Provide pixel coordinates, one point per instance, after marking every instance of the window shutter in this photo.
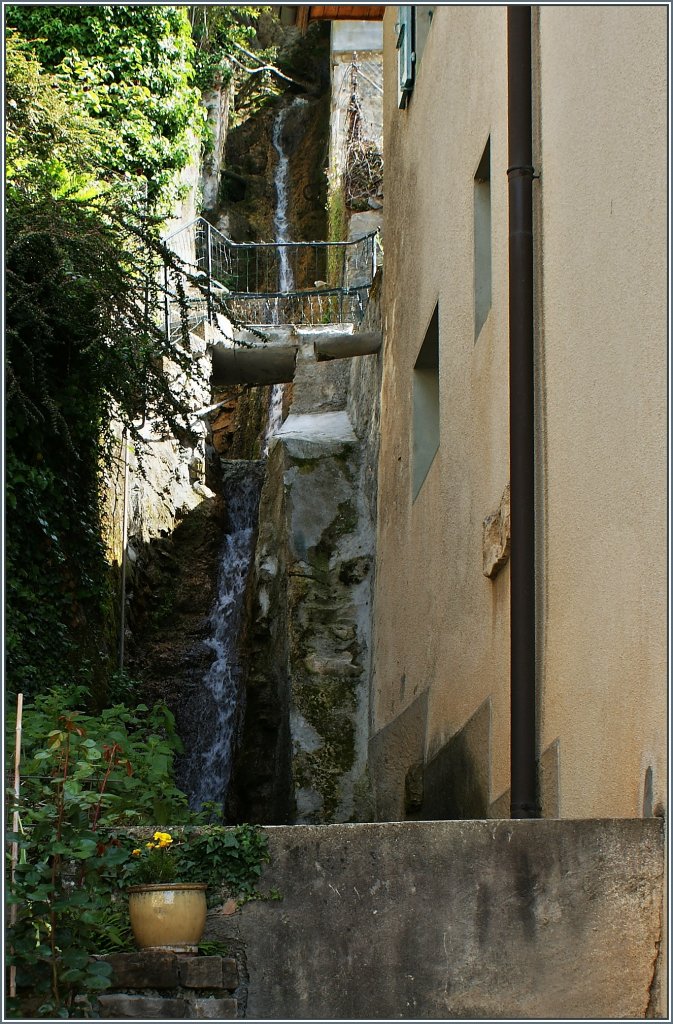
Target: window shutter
(405, 53)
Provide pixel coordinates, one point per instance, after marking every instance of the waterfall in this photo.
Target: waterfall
(210, 769)
(281, 224)
(281, 232)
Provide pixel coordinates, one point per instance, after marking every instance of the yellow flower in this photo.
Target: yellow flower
(163, 839)
(150, 846)
(136, 853)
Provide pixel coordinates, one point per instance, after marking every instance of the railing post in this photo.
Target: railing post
(209, 272)
(374, 247)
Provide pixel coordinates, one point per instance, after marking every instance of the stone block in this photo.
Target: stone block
(125, 1007)
(497, 537)
(393, 751)
(144, 970)
(457, 920)
(203, 972)
(213, 1009)
(230, 977)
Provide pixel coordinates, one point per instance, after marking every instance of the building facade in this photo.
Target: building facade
(440, 711)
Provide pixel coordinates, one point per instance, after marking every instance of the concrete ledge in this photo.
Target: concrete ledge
(455, 919)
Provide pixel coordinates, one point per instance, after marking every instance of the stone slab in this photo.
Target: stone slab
(230, 978)
(326, 427)
(208, 972)
(144, 970)
(125, 1007)
(455, 919)
(456, 777)
(393, 753)
(213, 1009)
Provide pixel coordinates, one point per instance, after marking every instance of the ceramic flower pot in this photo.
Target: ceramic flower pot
(168, 916)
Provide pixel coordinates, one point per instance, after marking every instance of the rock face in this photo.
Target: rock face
(247, 196)
(175, 588)
(217, 102)
(303, 755)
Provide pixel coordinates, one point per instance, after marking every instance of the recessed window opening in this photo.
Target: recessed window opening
(426, 405)
(482, 240)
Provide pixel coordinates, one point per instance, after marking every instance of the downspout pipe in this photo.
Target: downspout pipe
(520, 173)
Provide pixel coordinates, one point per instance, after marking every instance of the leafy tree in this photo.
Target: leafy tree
(128, 67)
(83, 344)
(217, 31)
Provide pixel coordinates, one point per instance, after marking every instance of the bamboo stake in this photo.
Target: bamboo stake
(125, 537)
(15, 826)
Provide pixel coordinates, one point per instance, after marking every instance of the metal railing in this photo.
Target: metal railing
(331, 279)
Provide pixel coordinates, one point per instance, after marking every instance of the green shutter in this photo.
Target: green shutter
(405, 53)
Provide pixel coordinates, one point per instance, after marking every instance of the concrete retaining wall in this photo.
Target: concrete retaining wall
(455, 919)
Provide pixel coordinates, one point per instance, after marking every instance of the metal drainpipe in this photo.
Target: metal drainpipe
(524, 795)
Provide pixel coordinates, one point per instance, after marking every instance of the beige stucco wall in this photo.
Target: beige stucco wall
(603, 409)
(440, 625)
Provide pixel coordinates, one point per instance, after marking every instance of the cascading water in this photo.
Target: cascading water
(281, 224)
(210, 769)
(207, 777)
(281, 231)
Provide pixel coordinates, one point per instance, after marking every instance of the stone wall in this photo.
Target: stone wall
(166, 986)
(467, 919)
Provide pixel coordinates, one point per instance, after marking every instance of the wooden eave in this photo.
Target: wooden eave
(338, 12)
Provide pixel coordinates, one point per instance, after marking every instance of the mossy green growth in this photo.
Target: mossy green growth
(344, 522)
(328, 708)
(337, 229)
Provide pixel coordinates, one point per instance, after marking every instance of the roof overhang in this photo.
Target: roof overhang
(302, 15)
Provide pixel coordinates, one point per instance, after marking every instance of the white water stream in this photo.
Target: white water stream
(211, 769)
(281, 232)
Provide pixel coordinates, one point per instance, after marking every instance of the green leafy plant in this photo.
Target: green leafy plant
(85, 343)
(84, 778)
(127, 70)
(222, 857)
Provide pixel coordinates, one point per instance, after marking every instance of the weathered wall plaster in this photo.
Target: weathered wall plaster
(466, 919)
(442, 627)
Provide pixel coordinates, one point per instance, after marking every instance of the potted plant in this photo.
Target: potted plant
(169, 876)
(166, 914)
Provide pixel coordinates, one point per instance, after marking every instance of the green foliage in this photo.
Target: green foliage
(215, 30)
(83, 778)
(45, 138)
(84, 344)
(100, 106)
(220, 856)
(128, 67)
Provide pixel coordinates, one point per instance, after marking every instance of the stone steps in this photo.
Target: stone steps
(170, 986)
